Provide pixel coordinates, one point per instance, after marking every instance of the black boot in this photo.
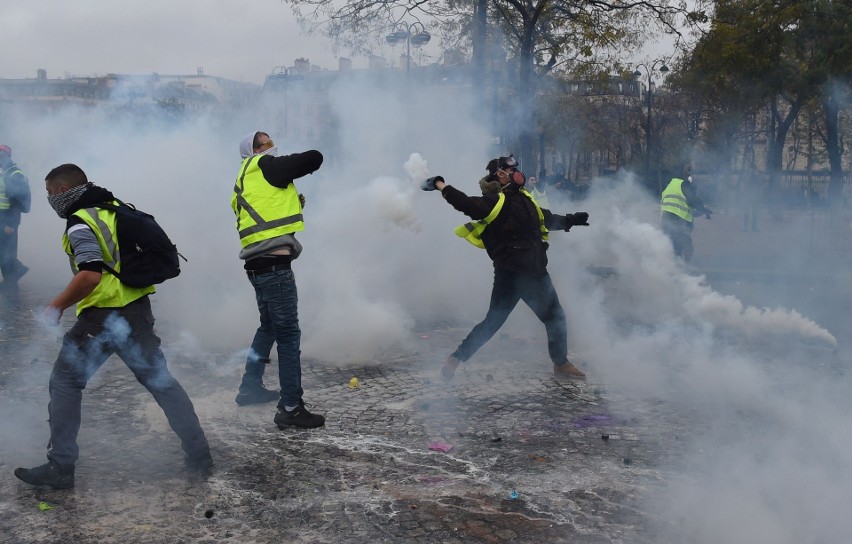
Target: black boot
(255, 393)
(50, 473)
(251, 389)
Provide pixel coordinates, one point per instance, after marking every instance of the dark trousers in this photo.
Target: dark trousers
(128, 332)
(538, 293)
(9, 264)
(277, 303)
(680, 233)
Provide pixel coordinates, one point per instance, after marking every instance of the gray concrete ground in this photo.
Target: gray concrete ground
(532, 458)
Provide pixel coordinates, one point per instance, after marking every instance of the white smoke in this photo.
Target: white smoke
(381, 260)
(416, 167)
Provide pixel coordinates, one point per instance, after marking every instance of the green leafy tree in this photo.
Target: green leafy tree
(783, 53)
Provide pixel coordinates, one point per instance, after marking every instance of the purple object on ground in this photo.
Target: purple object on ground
(590, 420)
(440, 446)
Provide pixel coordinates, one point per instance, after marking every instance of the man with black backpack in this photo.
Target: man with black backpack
(112, 317)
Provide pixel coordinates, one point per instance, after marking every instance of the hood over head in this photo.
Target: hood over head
(247, 144)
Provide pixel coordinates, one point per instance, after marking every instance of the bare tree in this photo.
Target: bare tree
(581, 37)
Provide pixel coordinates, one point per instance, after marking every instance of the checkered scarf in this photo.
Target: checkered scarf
(61, 202)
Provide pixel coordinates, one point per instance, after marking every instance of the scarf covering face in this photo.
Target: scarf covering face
(62, 201)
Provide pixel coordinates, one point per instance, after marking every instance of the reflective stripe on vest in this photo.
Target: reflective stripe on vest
(673, 201)
(110, 292)
(254, 199)
(5, 204)
(472, 231)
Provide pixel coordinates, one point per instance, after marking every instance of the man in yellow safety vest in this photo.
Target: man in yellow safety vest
(111, 318)
(513, 230)
(678, 206)
(268, 210)
(14, 200)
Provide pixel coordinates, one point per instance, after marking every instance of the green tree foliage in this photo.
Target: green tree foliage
(783, 53)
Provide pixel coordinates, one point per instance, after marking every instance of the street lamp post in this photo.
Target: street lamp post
(650, 71)
(413, 33)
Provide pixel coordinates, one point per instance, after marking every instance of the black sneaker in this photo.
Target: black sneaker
(50, 474)
(255, 394)
(298, 417)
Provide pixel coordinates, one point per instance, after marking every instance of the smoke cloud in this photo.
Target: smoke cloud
(766, 460)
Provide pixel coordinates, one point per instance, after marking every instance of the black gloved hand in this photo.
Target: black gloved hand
(708, 212)
(429, 183)
(579, 219)
(575, 219)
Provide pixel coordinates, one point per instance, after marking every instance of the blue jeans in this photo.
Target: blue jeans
(538, 293)
(277, 303)
(97, 334)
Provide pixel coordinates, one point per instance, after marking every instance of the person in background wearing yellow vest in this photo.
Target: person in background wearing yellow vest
(679, 204)
(538, 192)
(513, 230)
(269, 213)
(14, 200)
(111, 318)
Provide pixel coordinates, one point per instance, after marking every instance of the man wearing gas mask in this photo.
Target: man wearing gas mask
(513, 230)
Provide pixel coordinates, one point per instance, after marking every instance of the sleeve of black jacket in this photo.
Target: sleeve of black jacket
(475, 207)
(553, 221)
(282, 171)
(692, 198)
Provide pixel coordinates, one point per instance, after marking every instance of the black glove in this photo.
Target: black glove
(708, 212)
(429, 184)
(577, 219)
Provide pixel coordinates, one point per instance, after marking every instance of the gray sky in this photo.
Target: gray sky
(238, 39)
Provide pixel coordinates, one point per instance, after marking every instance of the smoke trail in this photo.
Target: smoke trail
(653, 286)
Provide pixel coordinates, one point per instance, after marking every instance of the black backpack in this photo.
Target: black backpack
(147, 254)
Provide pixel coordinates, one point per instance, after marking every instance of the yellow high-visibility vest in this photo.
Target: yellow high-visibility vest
(540, 198)
(472, 231)
(264, 211)
(5, 204)
(673, 200)
(110, 292)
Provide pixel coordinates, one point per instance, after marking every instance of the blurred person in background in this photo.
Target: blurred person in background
(538, 191)
(750, 190)
(679, 205)
(513, 230)
(14, 200)
(268, 209)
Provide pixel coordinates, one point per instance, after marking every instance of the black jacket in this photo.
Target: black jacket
(513, 240)
(281, 171)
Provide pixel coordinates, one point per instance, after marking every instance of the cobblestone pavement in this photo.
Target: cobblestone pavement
(532, 458)
(529, 461)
